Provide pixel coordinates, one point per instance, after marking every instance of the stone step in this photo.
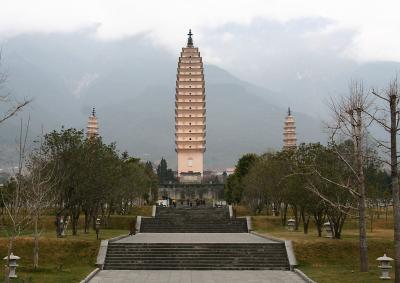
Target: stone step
(186, 221)
(207, 252)
(197, 255)
(191, 231)
(198, 246)
(207, 256)
(211, 257)
(193, 224)
(212, 265)
(200, 225)
(219, 262)
(194, 267)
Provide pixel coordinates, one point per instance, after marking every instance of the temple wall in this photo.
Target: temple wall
(202, 191)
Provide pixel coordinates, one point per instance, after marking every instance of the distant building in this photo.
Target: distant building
(230, 171)
(190, 114)
(92, 129)
(289, 134)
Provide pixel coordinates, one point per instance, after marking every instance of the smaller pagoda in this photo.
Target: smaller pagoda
(289, 134)
(92, 129)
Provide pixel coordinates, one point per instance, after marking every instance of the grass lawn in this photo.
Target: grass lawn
(67, 259)
(325, 260)
(62, 260)
(329, 260)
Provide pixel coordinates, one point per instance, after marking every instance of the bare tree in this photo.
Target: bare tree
(39, 192)
(388, 118)
(14, 202)
(333, 184)
(350, 122)
(14, 199)
(14, 105)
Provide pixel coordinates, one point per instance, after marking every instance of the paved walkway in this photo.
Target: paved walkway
(194, 238)
(187, 276)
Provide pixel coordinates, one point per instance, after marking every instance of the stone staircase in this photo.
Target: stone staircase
(196, 256)
(237, 254)
(193, 220)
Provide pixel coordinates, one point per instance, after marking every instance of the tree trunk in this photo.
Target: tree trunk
(337, 230)
(58, 225)
(319, 221)
(87, 221)
(74, 218)
(306, 221)
(94, 218)
(395, 182)
(337, 222)
(378, 209)
(108, 218)
(362, 223)
(36, 248)
(371, 219)
(363, 235)
(296, 217)
(386, 213)
(319, 227)
(284, 214)
(342, 220)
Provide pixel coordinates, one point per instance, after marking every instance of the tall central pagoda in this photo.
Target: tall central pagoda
(190, 114)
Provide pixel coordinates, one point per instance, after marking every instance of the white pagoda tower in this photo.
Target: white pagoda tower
(190, 114)
(289, 140)
(92, 129)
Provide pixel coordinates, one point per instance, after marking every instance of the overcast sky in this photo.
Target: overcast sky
(297, 48)
(375, 24)
(303, 49)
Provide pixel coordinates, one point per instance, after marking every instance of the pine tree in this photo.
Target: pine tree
(162, 169)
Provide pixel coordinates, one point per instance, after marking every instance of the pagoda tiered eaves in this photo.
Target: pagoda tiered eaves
(92, 129)
(290, 139)
(190, 111)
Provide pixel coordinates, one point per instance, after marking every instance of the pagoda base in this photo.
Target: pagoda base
(190, 178)
(191, 191)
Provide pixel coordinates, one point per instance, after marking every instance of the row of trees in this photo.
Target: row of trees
(72, 176)
(335, 181)
(304, 180)
(90, 177)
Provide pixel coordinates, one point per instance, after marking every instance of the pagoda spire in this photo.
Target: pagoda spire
(190, 39)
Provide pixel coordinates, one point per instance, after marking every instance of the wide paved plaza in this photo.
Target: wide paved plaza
(188, 276)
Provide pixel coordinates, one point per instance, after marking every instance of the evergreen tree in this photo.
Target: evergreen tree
(149, 166)
(162, 171)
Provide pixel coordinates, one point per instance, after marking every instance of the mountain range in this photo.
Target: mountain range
(131, 82)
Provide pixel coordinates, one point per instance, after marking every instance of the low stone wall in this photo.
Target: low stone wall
(90, 276)
(209, 192)
(303, 276)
